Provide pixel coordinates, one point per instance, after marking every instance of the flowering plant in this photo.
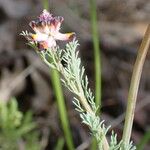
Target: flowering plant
(44, 40)
(46, 29)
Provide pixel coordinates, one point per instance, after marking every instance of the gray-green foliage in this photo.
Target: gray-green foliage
(68, 63)
(16, 129)
(130, 146)
(114, 145)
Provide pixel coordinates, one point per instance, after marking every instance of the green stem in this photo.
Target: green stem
(46, 4)
(85, 103)
(62, 108)
(89, 110)
(60, 100)
(95, 37)
(132, 96)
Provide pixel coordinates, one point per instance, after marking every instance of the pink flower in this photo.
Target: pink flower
(46, 29)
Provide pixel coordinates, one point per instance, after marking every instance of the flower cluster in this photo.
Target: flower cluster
(46, 28)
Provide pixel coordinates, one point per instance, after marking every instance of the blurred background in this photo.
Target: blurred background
(121, 26)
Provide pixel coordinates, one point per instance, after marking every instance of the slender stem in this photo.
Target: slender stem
(62, 108)
(46, 4)
(85, 103)
(97, 60)
(89, 110)
(60, 100)
(96, 52)
(132, 96)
